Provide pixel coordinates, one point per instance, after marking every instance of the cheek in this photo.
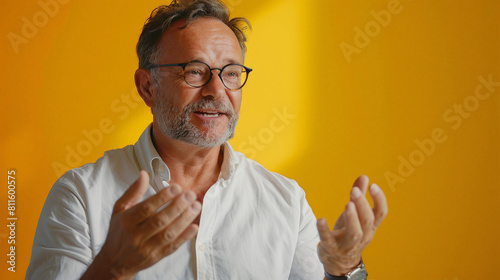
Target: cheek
(176, 95)
(236, 101)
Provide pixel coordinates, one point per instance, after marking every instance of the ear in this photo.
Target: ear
(144, 85)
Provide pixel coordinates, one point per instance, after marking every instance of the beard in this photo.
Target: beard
(175, 122)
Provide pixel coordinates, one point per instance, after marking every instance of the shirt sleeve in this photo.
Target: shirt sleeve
(306, 263)
(62, 246)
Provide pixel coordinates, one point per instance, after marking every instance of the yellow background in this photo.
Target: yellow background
(348, 118)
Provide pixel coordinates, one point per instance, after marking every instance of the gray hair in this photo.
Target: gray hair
(162, 17)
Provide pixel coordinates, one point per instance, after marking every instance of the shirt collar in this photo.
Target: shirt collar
(150, 161)
(148, 157)
(229, 163)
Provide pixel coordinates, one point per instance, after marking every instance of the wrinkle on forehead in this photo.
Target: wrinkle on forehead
(203, 39)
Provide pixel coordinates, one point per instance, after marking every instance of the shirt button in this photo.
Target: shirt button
(201, 248)
(165, 183)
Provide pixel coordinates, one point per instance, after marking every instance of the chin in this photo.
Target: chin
(213, 132)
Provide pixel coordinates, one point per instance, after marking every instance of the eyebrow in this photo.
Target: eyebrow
(228, 61)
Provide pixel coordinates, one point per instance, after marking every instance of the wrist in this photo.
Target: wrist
(101, 268)
(342, 268)
(358, 273)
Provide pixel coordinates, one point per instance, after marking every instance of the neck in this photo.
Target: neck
(192, 167)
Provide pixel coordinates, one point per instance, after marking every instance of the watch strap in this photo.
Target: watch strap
(333, 277)
(358, 273)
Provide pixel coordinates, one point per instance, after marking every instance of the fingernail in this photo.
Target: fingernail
(174, 190)
(189, 196)
(356, 193)
(374, 189)
(196, 207)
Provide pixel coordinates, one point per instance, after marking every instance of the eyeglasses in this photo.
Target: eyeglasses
(197, 74)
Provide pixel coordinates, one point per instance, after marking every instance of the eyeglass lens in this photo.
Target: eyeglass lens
(197, 74)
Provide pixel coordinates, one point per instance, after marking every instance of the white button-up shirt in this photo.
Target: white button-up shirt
(254, 224)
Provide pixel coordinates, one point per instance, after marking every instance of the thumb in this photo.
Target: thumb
(134, 193)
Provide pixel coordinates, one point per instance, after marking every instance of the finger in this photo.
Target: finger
(362, 183)
(340, 222)
(165, 217)
(133, 194)
(150, 206)
(323, 230)
(380, 208)
(364, 211)
(354, 232)
(188, 234)
(172, 232)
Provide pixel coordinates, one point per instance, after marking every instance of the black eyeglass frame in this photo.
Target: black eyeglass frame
(183, 65)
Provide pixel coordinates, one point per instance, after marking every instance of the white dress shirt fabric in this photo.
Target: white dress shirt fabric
(255, 224)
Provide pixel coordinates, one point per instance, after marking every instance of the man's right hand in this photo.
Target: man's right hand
(139, 235)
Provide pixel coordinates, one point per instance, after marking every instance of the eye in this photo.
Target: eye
(232, 72)
(196, 69)
(194, 72)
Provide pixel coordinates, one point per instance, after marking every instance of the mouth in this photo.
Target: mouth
(209, 113)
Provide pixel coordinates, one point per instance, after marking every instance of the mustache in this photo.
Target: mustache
(209, 104)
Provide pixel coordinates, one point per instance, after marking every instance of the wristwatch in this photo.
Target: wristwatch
(357, 274)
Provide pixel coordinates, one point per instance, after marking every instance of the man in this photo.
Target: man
(254, 224)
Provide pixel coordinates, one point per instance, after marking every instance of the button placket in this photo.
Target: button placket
(205, 233)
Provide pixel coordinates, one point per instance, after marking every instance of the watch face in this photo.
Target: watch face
(358, 275)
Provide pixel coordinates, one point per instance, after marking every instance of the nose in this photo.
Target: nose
(215, 87)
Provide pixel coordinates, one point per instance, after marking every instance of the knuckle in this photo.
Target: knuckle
(158, 222)
(154, 256)
(187, 216)
(356, 236)
(369, 221)
(179, 207)
(163, 195)
(329, 243)
(146, 257)
(169, 235)
(119, 207)
(147, 209)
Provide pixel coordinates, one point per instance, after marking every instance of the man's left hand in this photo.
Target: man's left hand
(340, 249)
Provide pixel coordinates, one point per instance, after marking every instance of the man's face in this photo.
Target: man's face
(205, 116)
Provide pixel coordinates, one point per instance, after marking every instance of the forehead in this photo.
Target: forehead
(206, 39)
